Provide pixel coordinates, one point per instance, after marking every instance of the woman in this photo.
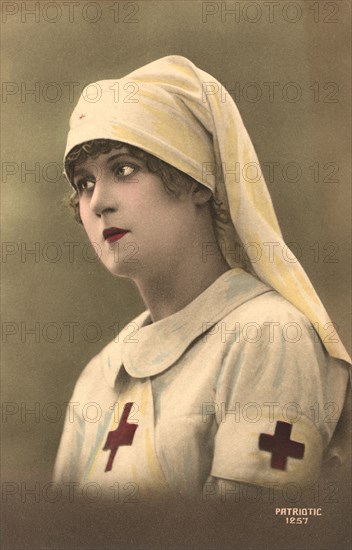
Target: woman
(217, 380)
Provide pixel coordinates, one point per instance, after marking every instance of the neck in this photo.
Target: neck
(176, 286)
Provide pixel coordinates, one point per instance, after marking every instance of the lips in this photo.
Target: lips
(114, 234)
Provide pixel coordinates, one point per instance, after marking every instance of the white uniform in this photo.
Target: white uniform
(205, 391)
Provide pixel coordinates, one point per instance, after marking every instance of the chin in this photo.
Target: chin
(122, 269)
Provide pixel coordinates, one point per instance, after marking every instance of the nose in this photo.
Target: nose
(103, 200)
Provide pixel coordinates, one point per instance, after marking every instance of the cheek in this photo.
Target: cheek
(83, 209)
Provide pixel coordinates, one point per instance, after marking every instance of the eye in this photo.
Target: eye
(85, 185)
(125, 170)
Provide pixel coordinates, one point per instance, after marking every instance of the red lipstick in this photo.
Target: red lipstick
(114, 234)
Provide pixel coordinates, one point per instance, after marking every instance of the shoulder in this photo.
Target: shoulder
(270, 343)
(268, 334)
(270, 318)
(270, 307)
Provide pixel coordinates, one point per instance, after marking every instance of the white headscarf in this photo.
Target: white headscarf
(183, 116)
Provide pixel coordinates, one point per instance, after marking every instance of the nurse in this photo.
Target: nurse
(217, 380)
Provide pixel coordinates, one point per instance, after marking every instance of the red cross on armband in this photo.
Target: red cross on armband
(123, 435)
(281, 446)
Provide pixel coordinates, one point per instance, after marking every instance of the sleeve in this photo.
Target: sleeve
(280, 398)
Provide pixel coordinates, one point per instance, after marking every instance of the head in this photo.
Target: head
(185, 136)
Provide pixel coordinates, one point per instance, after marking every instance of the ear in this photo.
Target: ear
(200, 194)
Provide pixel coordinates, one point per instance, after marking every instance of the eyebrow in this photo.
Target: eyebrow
(80, 172)
(126, 154)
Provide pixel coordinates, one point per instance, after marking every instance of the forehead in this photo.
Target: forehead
(90, 160)
(87, 155)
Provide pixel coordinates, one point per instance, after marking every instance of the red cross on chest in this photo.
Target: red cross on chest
(122, 435)
(281, 446)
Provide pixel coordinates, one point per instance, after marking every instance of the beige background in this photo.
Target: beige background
(311, 213)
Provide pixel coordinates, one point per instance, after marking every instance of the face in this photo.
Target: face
(136, 226)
